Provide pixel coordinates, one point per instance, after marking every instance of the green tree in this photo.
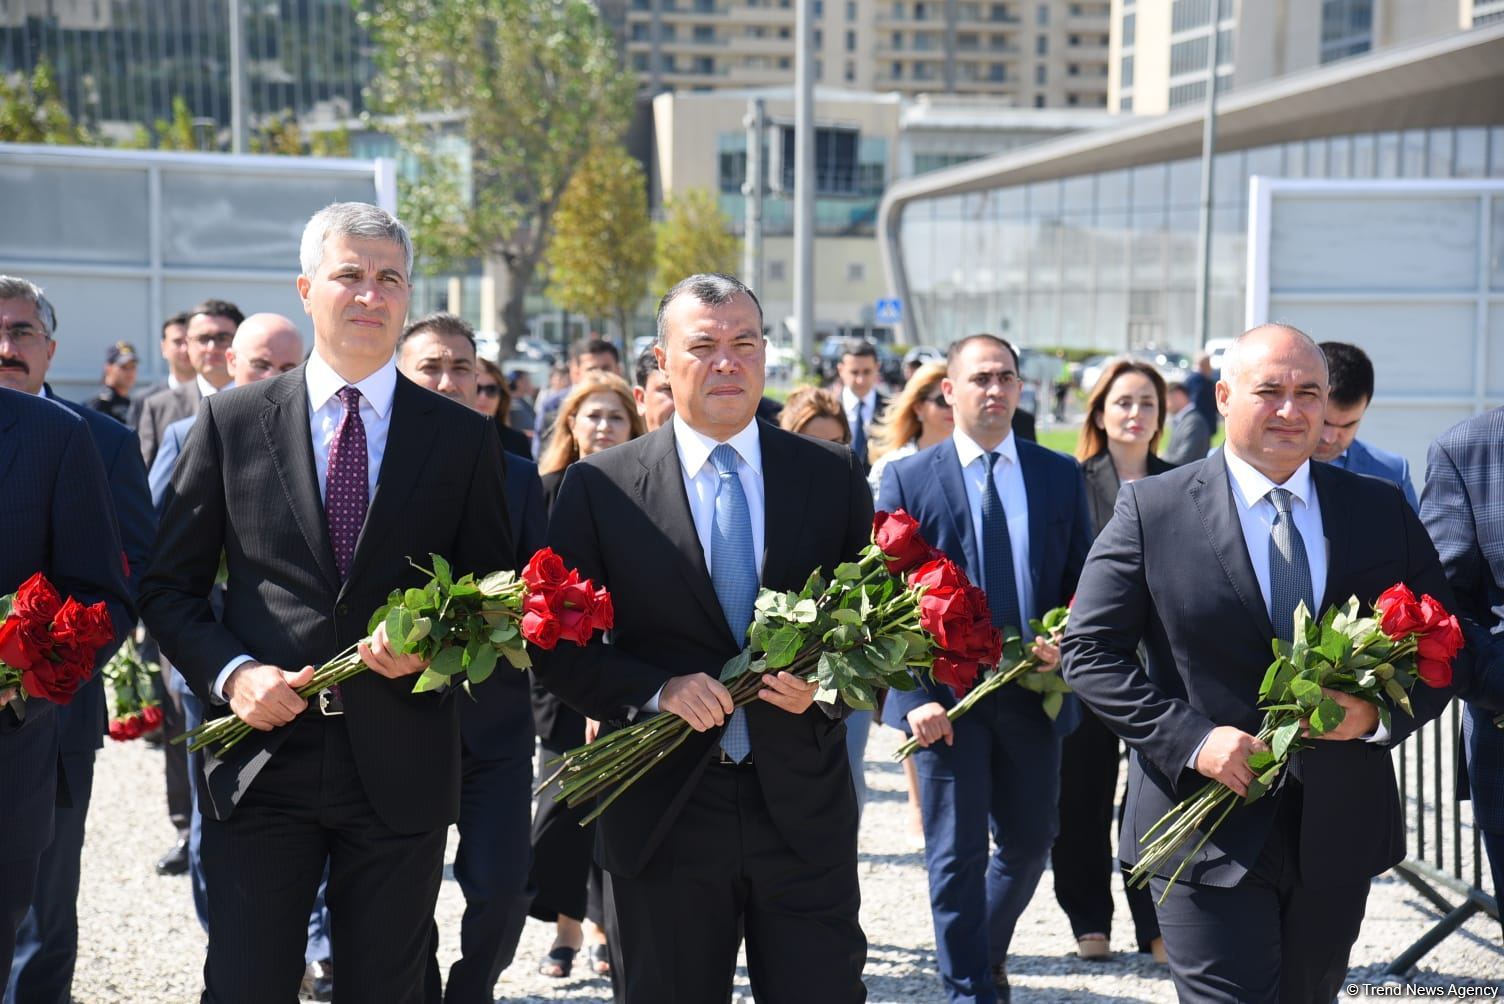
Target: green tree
(601, 257)
(33, 111)
(532, 86)
(694, 236)
(177, 134)
(279, 134)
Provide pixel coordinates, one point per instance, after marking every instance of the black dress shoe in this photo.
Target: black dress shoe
(175, 861)
(318, 982)
(1000, 983)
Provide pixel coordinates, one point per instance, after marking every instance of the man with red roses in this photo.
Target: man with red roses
(1014, 516)
(57, 521)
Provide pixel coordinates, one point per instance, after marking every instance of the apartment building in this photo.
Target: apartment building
(1160, 49)
(1025, 54)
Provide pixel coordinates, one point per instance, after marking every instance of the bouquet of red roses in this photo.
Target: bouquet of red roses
(132, 681)
(462, 627)
(1404, 639)
(48, 644)
(902, 604)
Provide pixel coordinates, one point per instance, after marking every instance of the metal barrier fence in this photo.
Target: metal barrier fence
(1446, 864)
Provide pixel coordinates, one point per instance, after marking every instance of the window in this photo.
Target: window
(850, 71)
(819, 69)
(1185, 94)
(1130, 28)
(920, 13)
(819, 8)
(997, 73)
(775, 271)
(1125, 104)
(1125, 76)
(1042, 15)
(855, 271)
(1039, 101)
(1073, 70)
(898, 40)
(641, 32)
(1040, 73)
(1042, 44)
(704, 64)
(783, 63)
(1346, 28)
(704, 33)
(968, 41)
(819, 38)
(851, 10)
(785, 32)
(1189, 56)
(1073, 40)
(640, 62)
(851, 41)
(1186, 14)
(1072, 100)
(897, 71)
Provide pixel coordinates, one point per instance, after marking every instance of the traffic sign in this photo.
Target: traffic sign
(889, 310)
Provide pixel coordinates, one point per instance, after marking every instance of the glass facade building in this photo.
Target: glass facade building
(1109, 260)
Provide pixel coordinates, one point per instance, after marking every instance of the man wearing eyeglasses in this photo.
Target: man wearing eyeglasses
(211, 328)
(1014, 515)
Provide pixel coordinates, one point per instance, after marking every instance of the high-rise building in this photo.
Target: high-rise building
(120, 63)
(1035, 55)
(1161, 49)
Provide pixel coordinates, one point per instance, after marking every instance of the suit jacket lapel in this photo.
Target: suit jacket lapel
(9, 441)
(289, 442)
(952, 485)
(1037, 491)
(1211, 493)
(785, 500)
(660, 489)
(409, 438)
(1337, 529)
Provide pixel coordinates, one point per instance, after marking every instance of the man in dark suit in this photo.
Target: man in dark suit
(47, 946)
(211, 328)
(749, 828)
(1205, 566)
(861, 399)
(174, 349)
(317, 487)
(1014, 515)
(437, 353)
(1351, 375)
(1190, 433)
(1462, 505)
(56, 520)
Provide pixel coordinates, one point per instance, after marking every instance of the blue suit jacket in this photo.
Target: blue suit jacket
(166, 461)
(55, 521)
(1364, 459)
(1463, 509)
(929, 486)
(82, 722)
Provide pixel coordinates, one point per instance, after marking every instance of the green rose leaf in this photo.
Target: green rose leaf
(842, 615)
(1051, 703)
(442, 571)
(516, 654)
(1327, 715)
(421, 627)
(449, 661)
(497, 583)
(1398, 695)
(848, 571)
(1283, 737)
(430, 680)
(399, 624)
(482, 664)
(859, 695)
(1307, 692)
(736, 665)
(804, 612)
(783, 647)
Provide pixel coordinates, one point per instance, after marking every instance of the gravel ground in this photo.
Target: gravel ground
(141, 943)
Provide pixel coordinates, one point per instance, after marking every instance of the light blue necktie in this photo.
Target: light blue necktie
(733, 572)
(997, 555)
(1289, 571)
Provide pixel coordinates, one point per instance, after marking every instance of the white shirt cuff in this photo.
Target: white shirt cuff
(1380, 734)
(1191, 761)
(650, 706)
(218, 690)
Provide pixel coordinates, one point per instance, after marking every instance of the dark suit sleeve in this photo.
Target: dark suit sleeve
(85, 547)
(175, 589)
(133, 508)
(146, 427)
(1448, 516)
(892, 495)
(1081, 537)
(1424, 574)
(532, 528)
(484, 537)
(597, 680)
(1099, 653)
(1407, 486)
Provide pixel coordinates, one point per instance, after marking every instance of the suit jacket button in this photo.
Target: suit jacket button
(342, 609)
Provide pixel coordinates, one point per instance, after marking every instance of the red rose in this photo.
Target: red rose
(18, 649)
(134, 727)
(1432, 614)
(545, 570)
(605, 610)
(82, 627)
(960, 675)
(945, 615)
(574, 605)
(1399, 613)
(117, 730)
(896, 534)
(36, 601)
(152, 716)
(59, 681)
(1442, 642)
(1434, 672)
(539, 625)
(938, 572)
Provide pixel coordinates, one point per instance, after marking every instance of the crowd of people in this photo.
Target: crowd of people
(265, 499)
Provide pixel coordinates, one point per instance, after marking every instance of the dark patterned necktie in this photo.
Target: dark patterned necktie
(346, 489)
(997, 554)
(1289, 569)
(859, 433)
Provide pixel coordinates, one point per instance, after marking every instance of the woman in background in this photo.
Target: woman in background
(598, 413)
(494, 399)
(1125, 416)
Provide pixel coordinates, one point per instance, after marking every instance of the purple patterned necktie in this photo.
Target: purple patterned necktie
(346, 490)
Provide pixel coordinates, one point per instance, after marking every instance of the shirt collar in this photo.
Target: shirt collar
(324, 383)
(205, 388)
(1251, 485)
(849, 401)
(968, 450)
(694, 447)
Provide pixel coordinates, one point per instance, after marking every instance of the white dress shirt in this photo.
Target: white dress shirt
(205, 388)
(701, 481)
(1009, 478)
(324, 412)
(1256, 512)
(849, 401)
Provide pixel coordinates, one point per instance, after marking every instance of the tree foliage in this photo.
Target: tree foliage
(532, 86)
(177, 133)
(32, 111)
(694, 236)
(601, 257)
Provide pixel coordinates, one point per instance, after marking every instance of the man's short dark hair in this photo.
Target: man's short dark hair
(1349, 374)
(180, 319)
(710, 288)
(1177, 385)
(858, 347)
(959, 345)
(593, 347)
(217, 308)
(440, 323)
(647, 365)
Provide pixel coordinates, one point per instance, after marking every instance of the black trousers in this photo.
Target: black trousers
(175, 767)
(724, 872)
(1082, 858)
(1270, 939)
(565, 877)
(262, 868)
